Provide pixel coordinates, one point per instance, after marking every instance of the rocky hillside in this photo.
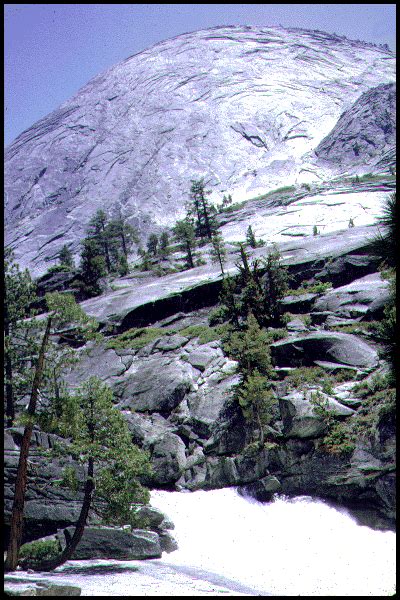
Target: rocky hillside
(245, 107)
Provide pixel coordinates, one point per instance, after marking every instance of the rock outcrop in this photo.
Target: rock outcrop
(244, 107)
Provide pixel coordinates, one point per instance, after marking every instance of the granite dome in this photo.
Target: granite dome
(245, 107)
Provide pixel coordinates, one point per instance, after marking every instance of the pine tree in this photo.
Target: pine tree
(152, 244)
(65, 257)
(218, 251)
(98, 232)
(202, 211)
(250, 237)
(122, 235)
(99, 436)
(19, 293)
(251, 349)
(164, 244)
(275, 287)
(184, 234)
(62, 309)
(92, 267)
(257, 402)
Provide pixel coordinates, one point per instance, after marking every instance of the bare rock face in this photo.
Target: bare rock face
(245, 107)
(367, 129)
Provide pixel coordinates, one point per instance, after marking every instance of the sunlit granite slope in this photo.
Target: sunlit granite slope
(245, 107)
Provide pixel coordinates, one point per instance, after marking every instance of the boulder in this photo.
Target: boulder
(114, 543)
(298, 303)
(16, 585)
(168, 458)
(263, 489)
(154, 384)
(356, 298)
(342, 348)
(300, 419)
(345, 269)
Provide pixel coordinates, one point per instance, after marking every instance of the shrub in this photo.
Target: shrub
(36, 552)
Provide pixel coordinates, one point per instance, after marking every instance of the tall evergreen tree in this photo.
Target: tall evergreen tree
(92, 267)
(19, 293)
(100, 439)
(164, 244)
(184, 234)
(203, 212)
(250, 237)
(98, 232)
(62, 309)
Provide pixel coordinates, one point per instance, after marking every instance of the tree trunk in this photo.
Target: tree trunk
(189, 255)
(68, 551)
(10, 409)
(17, 514)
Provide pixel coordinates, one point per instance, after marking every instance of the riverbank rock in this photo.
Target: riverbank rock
(115, 543)
(16, 585)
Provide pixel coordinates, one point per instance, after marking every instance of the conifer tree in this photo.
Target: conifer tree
(99, 234)
(99, 438)
(202, 211)
(218, 251)
(65, 257)
(152, 244)
(250, 237)
(257, 401)
(62, 309)
(184, 234)
(19, 293)
(92, 267)
(164, 244)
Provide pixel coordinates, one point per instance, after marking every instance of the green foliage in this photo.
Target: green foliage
(218, 251)
(256, 399)
(65, 258)
(311, 288)
(233, 207)
(92, 267)
(275, 287)
(184, 234)
(251, 349)
(97, 431)
(35, 552)
(204, 333)
(315, 230)
(164, 244)
(384, 244)
(69, 479)
(152, 244)
(201, 211)
(136, 338)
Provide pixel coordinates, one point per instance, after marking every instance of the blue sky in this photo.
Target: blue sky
(52, 50)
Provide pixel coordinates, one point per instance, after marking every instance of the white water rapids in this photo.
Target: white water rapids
(235, 546)
(286, 547)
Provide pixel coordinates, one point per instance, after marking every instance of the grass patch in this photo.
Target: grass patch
(137, 338)
(312, 288)
(204, 333)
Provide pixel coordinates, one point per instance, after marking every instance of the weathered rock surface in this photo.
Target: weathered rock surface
(243, 106)
(365, 296)
(17, 585)
(335, 347)
(301, 420)
(112, 542)
(367, 129)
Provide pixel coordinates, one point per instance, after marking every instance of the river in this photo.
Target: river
(232, 545)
